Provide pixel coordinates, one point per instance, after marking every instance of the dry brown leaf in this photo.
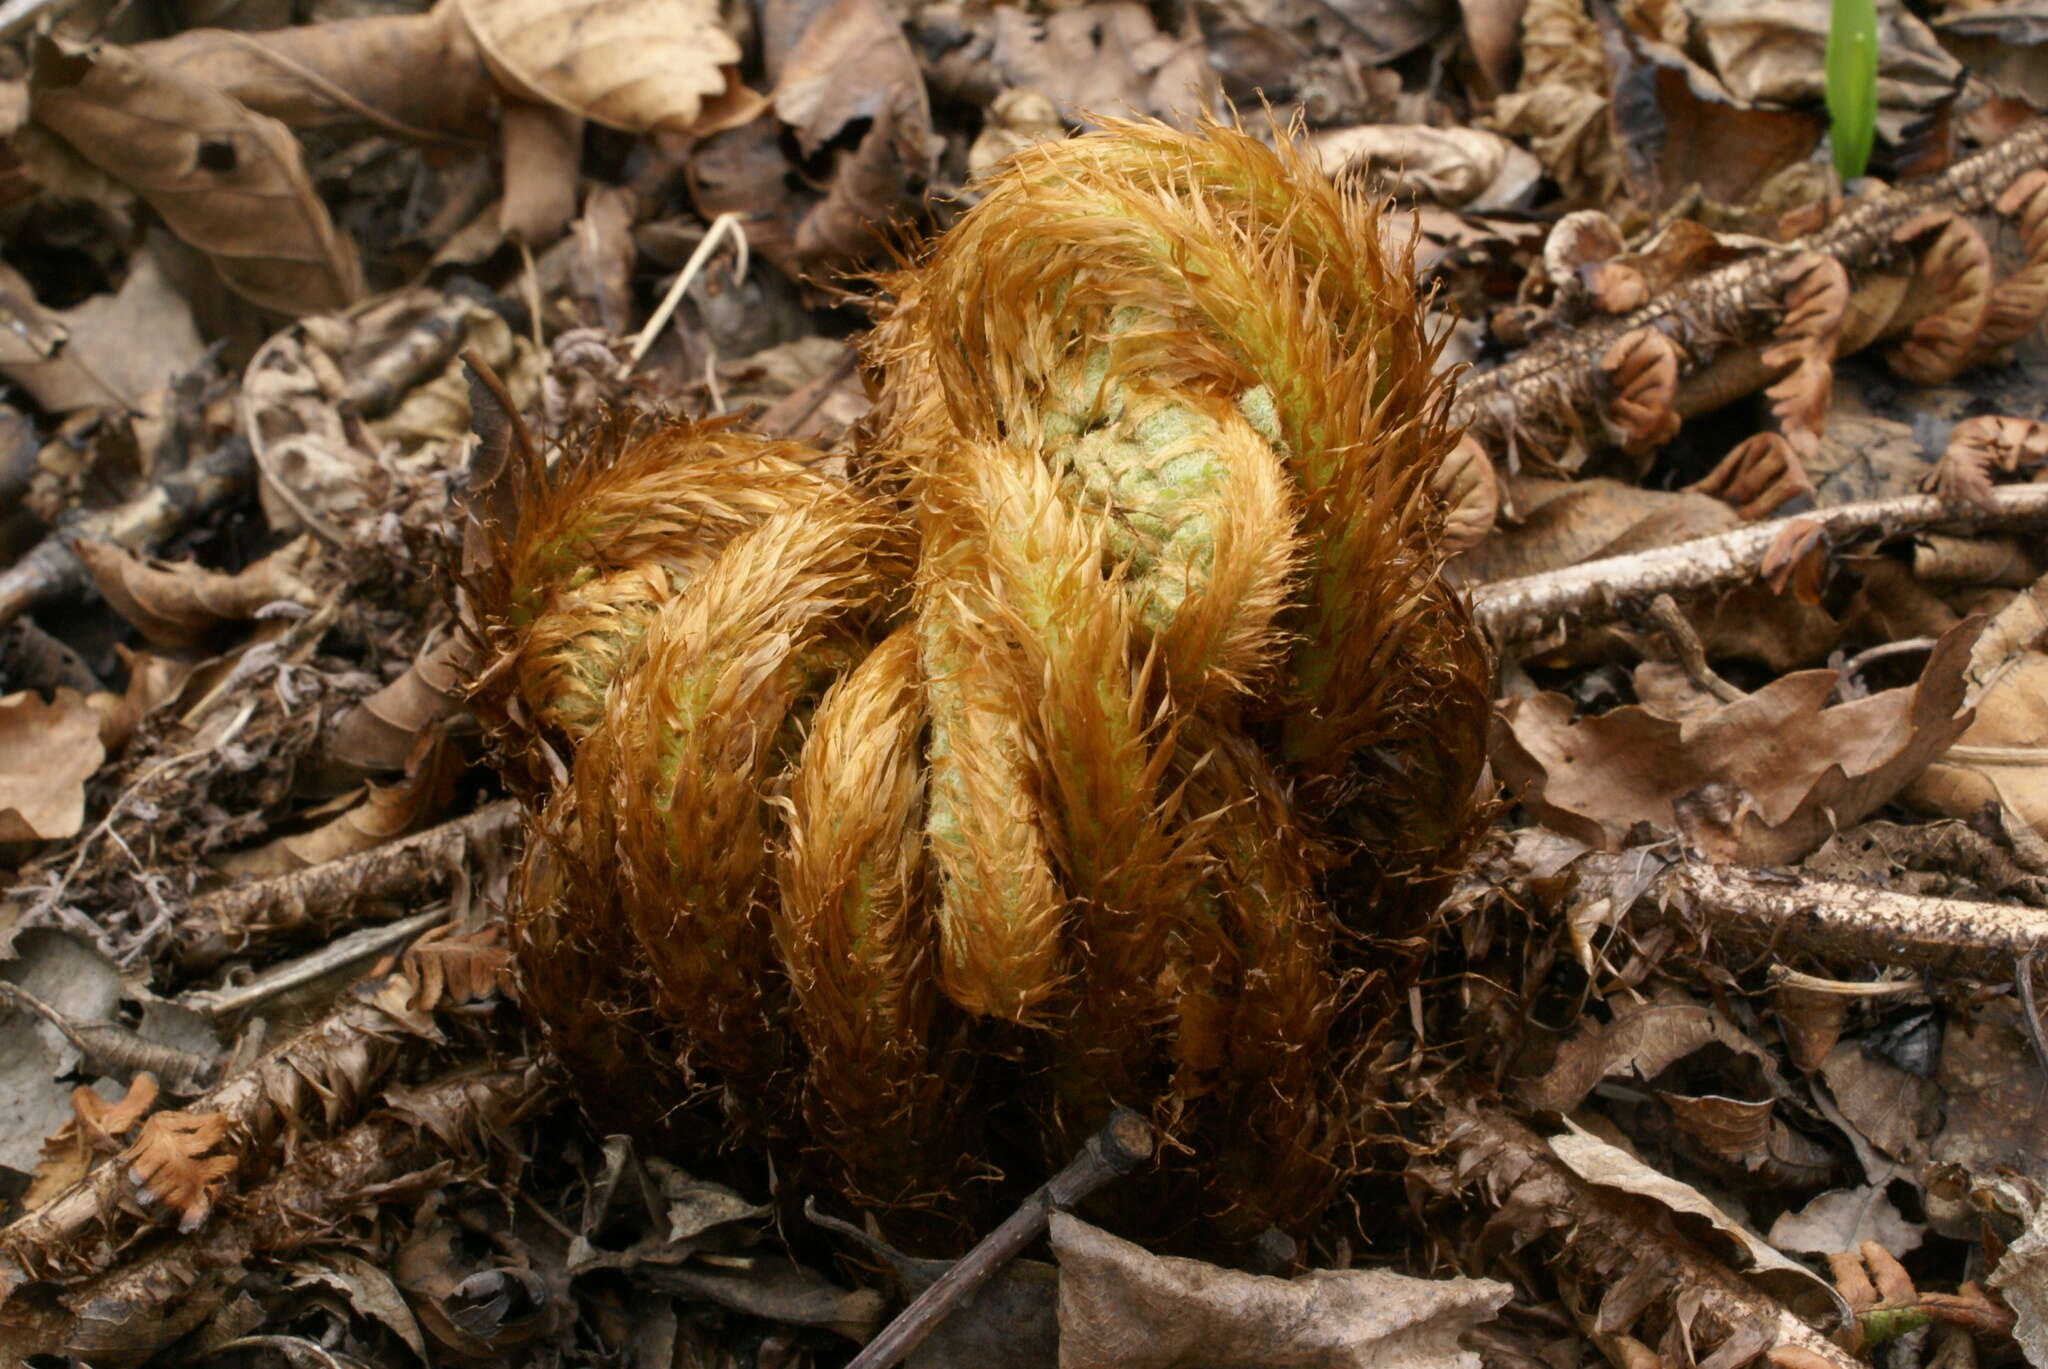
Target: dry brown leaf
(96, 1129)
(542, 146)
(1104, 58)
(1762, 781)
(1690, 133)
(120, 349)
(229, 182)
(1121, 1306)
(377, 735)
(153, 681)
(1951, 295)
(1460, 168)
(1776, 55)
(414, 76)
(2001, 762)
(1017, 119)
(183, 605)
(1470, 489)
(2018, 301)
(643, 66)
(853, 70)
(48, 750)
(1561, 523)
(170, 1163)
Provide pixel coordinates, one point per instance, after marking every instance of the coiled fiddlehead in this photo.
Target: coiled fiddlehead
(1112, 722)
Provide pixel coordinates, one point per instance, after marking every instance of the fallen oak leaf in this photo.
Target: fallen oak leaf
(230, 182)
(169, 1163)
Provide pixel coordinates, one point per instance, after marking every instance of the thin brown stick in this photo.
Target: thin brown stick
(1525, 608)
(387, 881)
(1124, 1142)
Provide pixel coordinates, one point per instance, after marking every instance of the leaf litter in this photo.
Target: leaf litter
(1647, 1113)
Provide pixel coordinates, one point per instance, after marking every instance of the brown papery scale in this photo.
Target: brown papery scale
(1105, 739)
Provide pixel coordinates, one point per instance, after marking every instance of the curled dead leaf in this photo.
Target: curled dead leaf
(1758, 477)
(1949, 298)
(230, 182)
(1470, 489)
(1642, 367)
(1763, 780)
(184, 605)
(171, 1163)
(387, 811)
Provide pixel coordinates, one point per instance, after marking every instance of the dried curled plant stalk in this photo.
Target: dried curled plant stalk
(1106, 738)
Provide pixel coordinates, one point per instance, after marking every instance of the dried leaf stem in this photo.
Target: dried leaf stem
(324, 899)
(1600, 1237)
(130, 1310)
(1738, 305)
(326, 1071)
(1525, 608)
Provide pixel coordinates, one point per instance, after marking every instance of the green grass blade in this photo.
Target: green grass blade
(1852, 83)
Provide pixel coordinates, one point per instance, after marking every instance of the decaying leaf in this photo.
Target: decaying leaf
(444, 968)
(120, 349)
(1983, 446)
(48, 750)
(96, 1129)
(853, 72)
(387, 811)
(2022, 1280)
(1844, 1218)
(229, 182)
(1762, 781)
(645, 66)
(171, 1163)
(1954, 281)
(1643, 368)
(181, 606)
(1459, 168)
(1121, 1307)
(1470, 489)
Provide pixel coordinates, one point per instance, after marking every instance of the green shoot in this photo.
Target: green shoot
(1852, 83)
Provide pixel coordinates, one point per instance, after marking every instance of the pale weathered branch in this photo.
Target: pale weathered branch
(394, 879)
(1525, 608)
